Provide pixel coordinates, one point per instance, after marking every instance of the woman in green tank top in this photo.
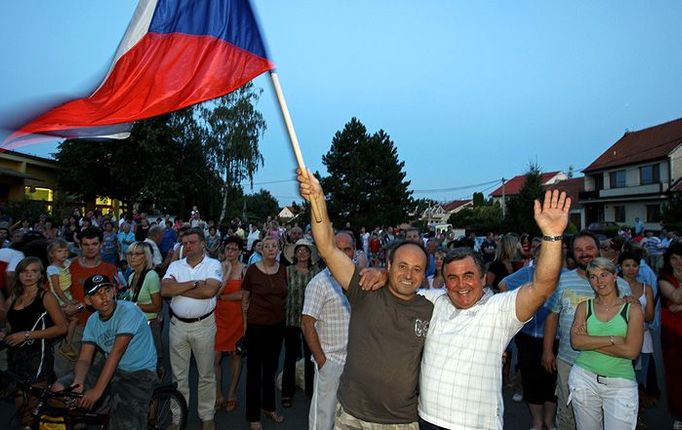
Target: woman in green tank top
(608, 331)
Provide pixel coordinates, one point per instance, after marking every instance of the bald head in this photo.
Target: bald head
(345, 243)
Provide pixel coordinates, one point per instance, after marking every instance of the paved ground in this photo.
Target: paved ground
(516, 415)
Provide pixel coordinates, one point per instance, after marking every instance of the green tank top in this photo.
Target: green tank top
(602, 364)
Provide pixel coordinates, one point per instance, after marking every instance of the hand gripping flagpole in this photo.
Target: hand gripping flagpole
(292, 136)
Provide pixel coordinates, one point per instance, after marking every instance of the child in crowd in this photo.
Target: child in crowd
(60, 282)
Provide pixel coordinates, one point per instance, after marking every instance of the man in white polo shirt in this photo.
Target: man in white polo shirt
(193, 283)
(461, 370)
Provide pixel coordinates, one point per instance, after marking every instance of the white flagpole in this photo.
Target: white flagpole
(292, 135)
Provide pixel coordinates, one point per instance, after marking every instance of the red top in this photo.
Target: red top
(671, 320)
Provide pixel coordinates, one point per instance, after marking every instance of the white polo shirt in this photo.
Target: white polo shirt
(188, 307)
(461, 372)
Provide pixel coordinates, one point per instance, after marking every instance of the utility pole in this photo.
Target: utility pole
(504, 201)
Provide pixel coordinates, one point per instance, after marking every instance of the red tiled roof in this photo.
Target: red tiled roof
(455, 204)
(638, 146)
(572, 186)
(514, 185)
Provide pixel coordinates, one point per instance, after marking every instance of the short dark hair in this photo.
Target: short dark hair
(236, 240)
(91, 233)
(585, 233)
(456, 254)
(397, 244)
(198, 231)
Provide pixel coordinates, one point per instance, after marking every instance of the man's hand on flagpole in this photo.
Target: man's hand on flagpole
(309, 187)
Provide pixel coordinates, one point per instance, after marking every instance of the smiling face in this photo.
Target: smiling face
(585, 250)
(406, 271)
(464, 282)
(602, 281)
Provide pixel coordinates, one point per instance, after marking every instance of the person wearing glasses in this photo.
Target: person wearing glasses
(144, 289)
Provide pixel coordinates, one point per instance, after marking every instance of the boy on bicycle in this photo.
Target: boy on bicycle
(128, 375)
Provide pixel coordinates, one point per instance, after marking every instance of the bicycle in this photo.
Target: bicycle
(58, 410)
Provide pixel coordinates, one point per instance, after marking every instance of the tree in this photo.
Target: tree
(195, 156)
(260, 206)
(480, 219)
(479, 200)
(520, 207)
(366, 184)
(162, 166)
(233, 128)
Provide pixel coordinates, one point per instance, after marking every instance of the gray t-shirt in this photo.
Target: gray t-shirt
(385, 342)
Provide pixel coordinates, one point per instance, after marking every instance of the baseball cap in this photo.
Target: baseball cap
(94, 283)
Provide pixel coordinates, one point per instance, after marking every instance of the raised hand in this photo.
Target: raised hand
(552, 215)
(309, 186)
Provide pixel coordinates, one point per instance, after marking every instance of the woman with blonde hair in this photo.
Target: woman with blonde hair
(144, 288)
(608, 331)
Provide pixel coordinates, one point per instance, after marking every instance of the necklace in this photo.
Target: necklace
(608, 307)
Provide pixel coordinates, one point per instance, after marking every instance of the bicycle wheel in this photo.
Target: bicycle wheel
(167, 406)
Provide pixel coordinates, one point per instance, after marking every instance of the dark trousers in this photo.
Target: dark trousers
(293, 339)
(263, 345)
(538, 385)
(425, 425)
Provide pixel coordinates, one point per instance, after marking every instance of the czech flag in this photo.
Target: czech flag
(175, 53)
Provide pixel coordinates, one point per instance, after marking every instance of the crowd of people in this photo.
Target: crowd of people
(397, 328)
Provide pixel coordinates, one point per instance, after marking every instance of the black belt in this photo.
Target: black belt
(191, 320)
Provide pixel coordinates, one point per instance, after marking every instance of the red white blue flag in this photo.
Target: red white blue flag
(175, 53)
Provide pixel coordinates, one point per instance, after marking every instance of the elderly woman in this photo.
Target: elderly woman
(264, 295)
(671, 328)
(144, 288)
(298, 275)
(608, 331)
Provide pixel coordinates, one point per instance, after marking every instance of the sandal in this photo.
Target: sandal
(274, 416)
(230, 405)
(286, 402)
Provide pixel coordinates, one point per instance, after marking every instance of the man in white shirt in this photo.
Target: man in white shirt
(193, 283)
(461, 370)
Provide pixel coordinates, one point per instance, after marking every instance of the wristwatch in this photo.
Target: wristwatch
(196, 284)
(27, 335)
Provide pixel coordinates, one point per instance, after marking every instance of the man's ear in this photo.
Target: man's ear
(87, 301)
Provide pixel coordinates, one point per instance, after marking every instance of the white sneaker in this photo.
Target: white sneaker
(517, 397)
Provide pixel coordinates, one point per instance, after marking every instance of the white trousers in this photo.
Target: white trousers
(600, 402)
(196, 338)
(323, 404)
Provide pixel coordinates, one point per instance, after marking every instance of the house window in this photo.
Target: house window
(649, 174)
(653, 213)
(617, 179)
(598, 182)
(619, 213)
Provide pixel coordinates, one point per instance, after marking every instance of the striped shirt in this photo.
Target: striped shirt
(572, 290)
(326, 302)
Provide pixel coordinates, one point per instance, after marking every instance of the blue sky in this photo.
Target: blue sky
(469, 91)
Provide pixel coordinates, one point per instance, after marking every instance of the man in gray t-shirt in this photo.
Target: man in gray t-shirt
(387, 329)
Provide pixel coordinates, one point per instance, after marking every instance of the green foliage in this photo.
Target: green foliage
(479, 200)
(195, 156)
(520, 207)
(366, 183)
(260, 205)
(232, 128)
(480, 219)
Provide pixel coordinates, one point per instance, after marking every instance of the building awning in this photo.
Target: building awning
(15, 174)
